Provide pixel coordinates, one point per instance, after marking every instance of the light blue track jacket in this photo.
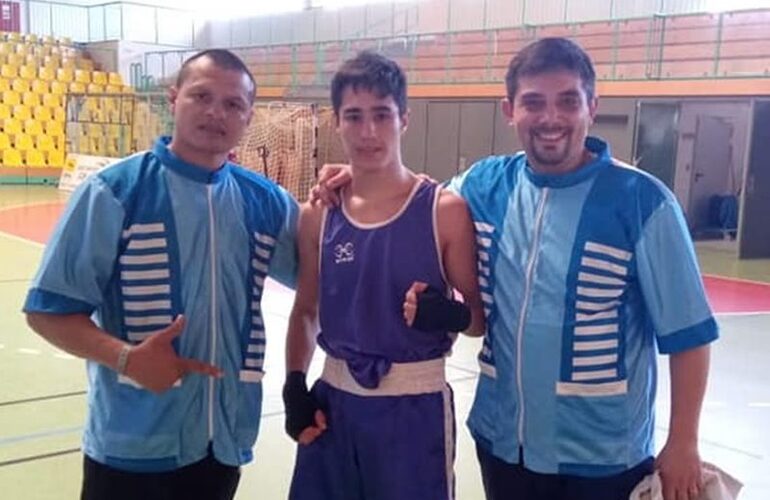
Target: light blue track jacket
(149, 238)
(582, 275)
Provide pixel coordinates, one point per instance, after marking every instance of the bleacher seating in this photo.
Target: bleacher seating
(37, 76)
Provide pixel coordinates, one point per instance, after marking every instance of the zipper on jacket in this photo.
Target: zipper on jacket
(531, 264)
(212, 260)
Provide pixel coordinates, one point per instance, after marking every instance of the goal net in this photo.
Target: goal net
(280, 143)
(289, 142)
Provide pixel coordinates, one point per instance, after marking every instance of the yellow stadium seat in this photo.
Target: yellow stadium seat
(112, 148)
(85, 115)
(52, 60)
(55, 158)
(99, 77)
(22, 112)
(65, 75)
(113, 89)
(9, 71)
(97, 146)
(83, 144)
(98, 115)
(13, 36)
(41, 87)
(6, 48)
(92, 103)
(46, 73)
(23, 142)
(19, 85)
(94, 88)
(82, 76)
(30, 38)
(53, 128)
(44, 143)
(28, 72)
(114, 78)
(112, 116)
(52, 100)
(14, 59)
(34, 158)
(85, 65)
(67, 63)
(5, 141)
(5, 84)
(32, 60)
(64, 40)
(48, 40)
(33, 127)
(112, 131)
(22, 50)
(59, 114)
(42, 113)
(12, 126)
(94, 130)
(5, 111)
(128, 89)
(11, 97)
(77, 88)
(31, 99)
(58, 87)
(12, 158)
(110, 103)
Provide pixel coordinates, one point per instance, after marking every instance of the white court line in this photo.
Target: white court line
(745, 313)
(739, 280)
(22, 240)
(24, 350)
(760, 405)
(29, 205)
(64, 355)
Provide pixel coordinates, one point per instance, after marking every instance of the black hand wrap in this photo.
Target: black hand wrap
(299, 403)
(436, 312)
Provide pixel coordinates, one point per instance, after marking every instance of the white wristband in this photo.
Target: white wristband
(123, 359)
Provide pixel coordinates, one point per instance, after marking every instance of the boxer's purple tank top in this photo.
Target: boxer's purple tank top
(365, 272)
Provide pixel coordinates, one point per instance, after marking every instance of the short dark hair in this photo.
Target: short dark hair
(551, 54)
(373, 72)
(221, 58)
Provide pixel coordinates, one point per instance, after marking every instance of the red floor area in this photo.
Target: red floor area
(32, 222)
(35, 222)
(737, 296)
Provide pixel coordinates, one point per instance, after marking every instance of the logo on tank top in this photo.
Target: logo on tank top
(343, 252)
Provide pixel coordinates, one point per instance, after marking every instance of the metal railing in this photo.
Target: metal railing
(691, 46)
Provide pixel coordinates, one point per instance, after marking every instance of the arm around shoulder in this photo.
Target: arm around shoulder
(457, 239)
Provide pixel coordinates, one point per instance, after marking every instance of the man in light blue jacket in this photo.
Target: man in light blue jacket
(154, 274)
(588, 268)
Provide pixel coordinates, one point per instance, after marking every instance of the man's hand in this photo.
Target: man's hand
(679, 466)
(155, 365)
(331, 177)
(304, 420)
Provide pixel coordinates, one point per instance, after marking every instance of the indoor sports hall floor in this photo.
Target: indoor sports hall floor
(42, 399)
